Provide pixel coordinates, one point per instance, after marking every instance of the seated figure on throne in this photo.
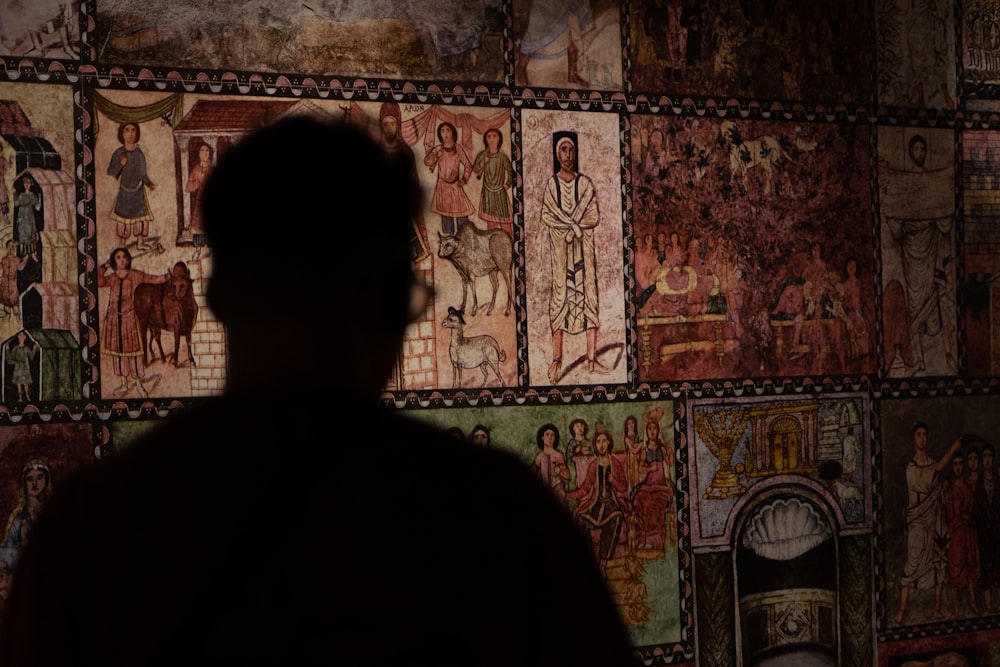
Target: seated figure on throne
(603, 498)
(673, 285)
(684, 284)
(706, 283)
(807, 300)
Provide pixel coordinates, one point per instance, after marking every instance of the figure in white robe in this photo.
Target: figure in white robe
(570, 213)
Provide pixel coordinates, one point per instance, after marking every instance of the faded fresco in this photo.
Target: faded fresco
(796, 288)
(573, 248)
(567, 44)
(980, 31)
(463, 242)
(915, 47)
(785, 485)
(40, 336)
(981, 251)
(463, 158)
(916, 176)
(566, 446)
(152, 153)
(942, 552)
(764, 48)
(34, 461)
(40, 28)
(742, 264)
(444, 39)
(740, 448)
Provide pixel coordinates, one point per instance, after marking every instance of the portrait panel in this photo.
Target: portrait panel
(753, 248)
(40, 29)
(915, 50)
(741, 448)
(377, 38)
(567, 44)
(463, 241)
(779, 49)
(573, 247)
(152, 155)
(34, 461)
(980, 28)
(565, 446)
(39, 267)
(916, 177)
(942, 554)
(980, 244)
(783, 488)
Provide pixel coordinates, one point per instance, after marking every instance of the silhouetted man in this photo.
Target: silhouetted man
(254, 530)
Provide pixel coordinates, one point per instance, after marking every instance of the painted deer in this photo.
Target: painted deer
(482, 352)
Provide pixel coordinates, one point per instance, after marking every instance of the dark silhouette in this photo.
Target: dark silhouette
(259, 528)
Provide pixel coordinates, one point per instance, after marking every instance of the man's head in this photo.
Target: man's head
(120, 259)
(920, 436)
(958, 466)
(972, 457)
(129, 133)
(447, 134)
(480, 436)
(547, 434)
(389, 118)
(310, 221)
(565, 156)
(604, 442)
(566, 151)
(492, 139)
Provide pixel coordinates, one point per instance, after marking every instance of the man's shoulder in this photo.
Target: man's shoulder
(400, 450)
(427, 447)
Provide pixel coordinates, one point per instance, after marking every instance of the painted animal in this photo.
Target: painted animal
(475, 252)
(482, 352)
(744, 154)
(168, 306)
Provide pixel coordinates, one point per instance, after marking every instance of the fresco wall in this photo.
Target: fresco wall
(740, 254)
